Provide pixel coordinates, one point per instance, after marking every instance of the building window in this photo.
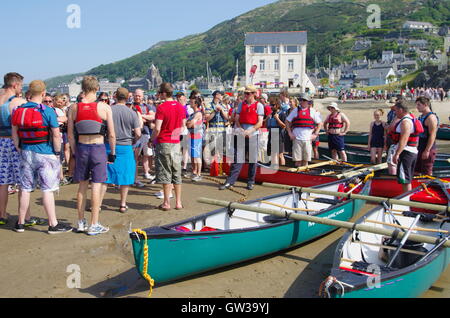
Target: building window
(277, 65)
(291, 49)
(274, 49)
(262, 65)
(290, 65)
(259, 49)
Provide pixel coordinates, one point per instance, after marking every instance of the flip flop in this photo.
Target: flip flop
(180, 208)
(123, 209)
(163, 209)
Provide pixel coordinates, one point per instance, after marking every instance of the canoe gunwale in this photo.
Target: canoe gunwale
(361, 282)
(174, 234)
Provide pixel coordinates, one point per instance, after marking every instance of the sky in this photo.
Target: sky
(46, 38)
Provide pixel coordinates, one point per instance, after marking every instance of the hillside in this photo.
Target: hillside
(332, 27)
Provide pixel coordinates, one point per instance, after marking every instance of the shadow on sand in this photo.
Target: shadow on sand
(308, 282)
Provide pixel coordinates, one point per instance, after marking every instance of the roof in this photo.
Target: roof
(373, 73)
(276, 38)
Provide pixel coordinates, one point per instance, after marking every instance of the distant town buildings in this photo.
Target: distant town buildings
(277, 59)
(418, 25)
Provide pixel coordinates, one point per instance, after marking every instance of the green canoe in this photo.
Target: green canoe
(443, 133)
(360, 155)
(365, 265)
(222, 237)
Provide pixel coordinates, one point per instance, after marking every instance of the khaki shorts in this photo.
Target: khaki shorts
(302, 150)
(168, 164)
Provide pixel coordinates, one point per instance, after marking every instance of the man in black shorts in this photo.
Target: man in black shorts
(406, 140)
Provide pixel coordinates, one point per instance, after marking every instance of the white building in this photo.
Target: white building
(418, 25)
(108, 87)
(73, 89)
(277, 59)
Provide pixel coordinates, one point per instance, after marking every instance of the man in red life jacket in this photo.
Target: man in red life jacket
(88, 124)
(405, 137)
(427, 140)
(303, 126)
(249, 119)
(336, 125)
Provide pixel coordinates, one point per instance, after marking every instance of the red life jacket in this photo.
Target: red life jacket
(88, 122)
(303, 119)
(30, 123)
(335, 122)
(413, 140)
(249, 114)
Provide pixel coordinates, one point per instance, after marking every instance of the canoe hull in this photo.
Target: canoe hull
(181, 255)
(443, 134)
(411, 285)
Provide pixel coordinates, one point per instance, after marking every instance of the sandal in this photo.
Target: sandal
(182, 207)
(163, 209)
(123, 209)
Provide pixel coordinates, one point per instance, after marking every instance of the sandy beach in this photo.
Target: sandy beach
(35, 264)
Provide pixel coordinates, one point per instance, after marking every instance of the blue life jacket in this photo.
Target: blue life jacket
(5, 119)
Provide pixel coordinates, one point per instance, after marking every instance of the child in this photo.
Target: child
(195, 126)
(377, 137)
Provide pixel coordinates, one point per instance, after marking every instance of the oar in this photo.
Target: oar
(427, 206)
(403, 241)
(316, 165)
(336, 223)
(363, 170)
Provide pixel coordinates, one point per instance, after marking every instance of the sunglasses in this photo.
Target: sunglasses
(48, 101)
(104, 100)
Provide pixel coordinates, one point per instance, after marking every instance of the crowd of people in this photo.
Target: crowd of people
(432, 93)
(103, 141)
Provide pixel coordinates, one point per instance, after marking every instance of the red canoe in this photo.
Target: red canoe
(384, 186)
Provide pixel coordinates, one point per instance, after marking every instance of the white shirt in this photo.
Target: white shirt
(399, 130)
(304, 134)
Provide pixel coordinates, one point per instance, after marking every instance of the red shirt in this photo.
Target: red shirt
(172, 115)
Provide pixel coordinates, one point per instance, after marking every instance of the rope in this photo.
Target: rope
(145, 268)
(425, 188)
(327, 283)
(431, 178)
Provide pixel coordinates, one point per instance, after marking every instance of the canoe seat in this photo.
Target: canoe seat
(273, 219)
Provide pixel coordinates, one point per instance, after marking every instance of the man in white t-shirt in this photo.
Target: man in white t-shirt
(303, 126)
(403, 153)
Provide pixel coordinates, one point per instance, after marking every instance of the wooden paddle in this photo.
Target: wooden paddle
(316, 165)
(427, 206)
(307, 218)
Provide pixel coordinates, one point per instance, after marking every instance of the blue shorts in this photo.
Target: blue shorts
(90, 163)
(9, 162)
(336, 142)
(196, 148)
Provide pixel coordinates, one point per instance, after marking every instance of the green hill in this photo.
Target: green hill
(331, 25)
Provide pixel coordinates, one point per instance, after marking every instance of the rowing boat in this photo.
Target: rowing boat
(383, 185)
(443, 132)
(368, 265)
(360, 155)
(224, 237)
